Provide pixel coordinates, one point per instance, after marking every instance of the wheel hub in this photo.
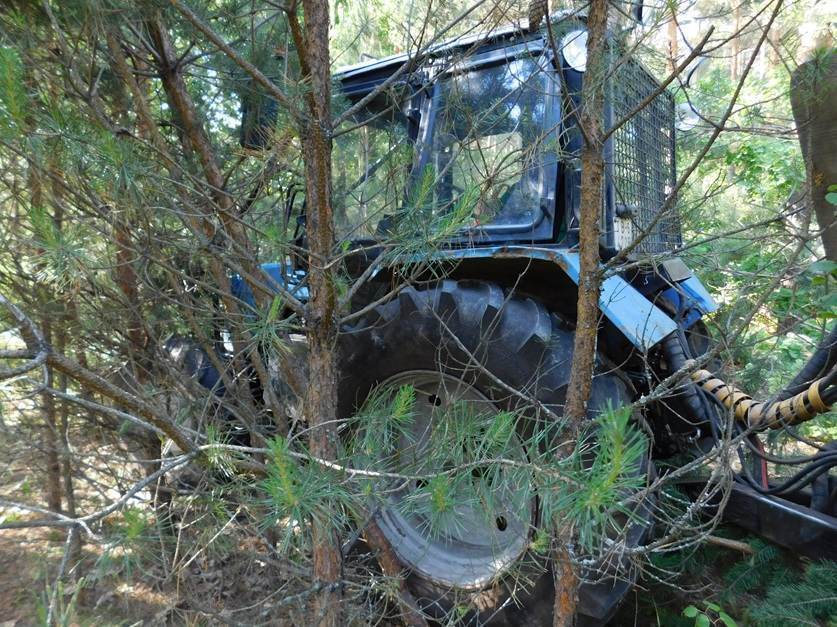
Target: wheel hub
(487, 529)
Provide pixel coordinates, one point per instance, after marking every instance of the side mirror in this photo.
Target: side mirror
(687, 116)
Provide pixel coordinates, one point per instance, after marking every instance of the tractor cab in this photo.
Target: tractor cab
(478, 141)
(475, 141)
(470, 143)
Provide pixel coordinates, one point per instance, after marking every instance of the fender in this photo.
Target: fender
(641, 322)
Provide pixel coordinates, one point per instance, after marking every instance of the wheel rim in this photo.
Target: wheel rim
(481, 538)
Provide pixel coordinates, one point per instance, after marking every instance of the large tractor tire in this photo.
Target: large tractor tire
(418, 339)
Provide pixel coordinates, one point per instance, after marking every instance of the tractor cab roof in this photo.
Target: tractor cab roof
(362, 77)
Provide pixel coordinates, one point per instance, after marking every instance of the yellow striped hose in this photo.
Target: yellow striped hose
(759, 414)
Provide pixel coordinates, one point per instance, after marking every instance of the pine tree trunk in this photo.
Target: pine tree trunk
(66, 450)
(673, 47)
(321, 401)
(587, 318)
(735, 52)
(49, 427)
(592, 199)
(61, 333)
(50, 437)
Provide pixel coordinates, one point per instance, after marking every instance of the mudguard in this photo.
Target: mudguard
(637, 318)
(641, 322)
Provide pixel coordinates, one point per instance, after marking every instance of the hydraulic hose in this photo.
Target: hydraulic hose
(816, 399)
(675, 349)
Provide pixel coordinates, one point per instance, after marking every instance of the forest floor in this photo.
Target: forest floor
(18, 572)
(29, 562)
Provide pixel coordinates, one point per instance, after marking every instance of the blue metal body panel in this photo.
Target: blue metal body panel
(637, 318)
(690, 298)
(282, 274)
(699, 294)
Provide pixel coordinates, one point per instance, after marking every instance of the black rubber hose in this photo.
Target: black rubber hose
(823, 360)
(796, 481)
(675, 353)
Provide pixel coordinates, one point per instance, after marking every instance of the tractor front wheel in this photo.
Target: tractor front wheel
(470, 350)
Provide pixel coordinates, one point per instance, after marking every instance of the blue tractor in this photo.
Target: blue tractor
(477, 139)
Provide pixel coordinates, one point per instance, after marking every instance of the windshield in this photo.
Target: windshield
(488, 143)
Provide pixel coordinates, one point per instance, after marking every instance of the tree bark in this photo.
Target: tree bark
(589, 285)
(63, 414)
(671, 29)
(48, 409)
(195, 137)
(592, 196)
(321, 397)
(66, 450)
(52, 486)
(735, 49)
(392, 567)
(814, 100)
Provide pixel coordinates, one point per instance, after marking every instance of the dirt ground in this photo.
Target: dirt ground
(244, 587)
(17, 572)
(29, 560)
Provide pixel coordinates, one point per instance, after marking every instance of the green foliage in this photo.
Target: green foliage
(62, 259)
(755, 571)
(268, 330)
(710, 614)
(602, 475)
(64, 604)
(746, 182)
(132, 539)
(470, 459)
(769, 588)
(13, 100)
(298, 491)
(422, 226)
(135, 524)
(217, 457)
(385, 417)
(810, 599)
(765, 166)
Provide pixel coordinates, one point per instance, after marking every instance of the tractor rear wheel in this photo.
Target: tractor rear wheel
(467, 343)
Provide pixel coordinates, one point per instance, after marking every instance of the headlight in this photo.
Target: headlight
(574, 49)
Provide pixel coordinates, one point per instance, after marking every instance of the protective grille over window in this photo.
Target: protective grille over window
(642, 163)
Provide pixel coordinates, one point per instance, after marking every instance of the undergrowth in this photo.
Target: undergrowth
(772, 587)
